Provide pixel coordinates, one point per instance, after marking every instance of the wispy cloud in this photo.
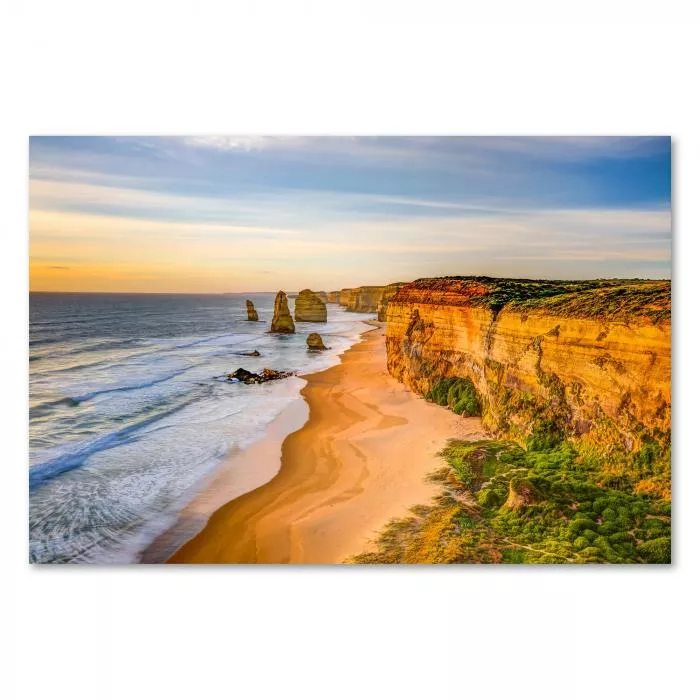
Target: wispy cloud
(314, 211)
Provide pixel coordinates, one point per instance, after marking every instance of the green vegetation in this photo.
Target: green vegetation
(612, 299)
(458, 394)
(547, 504)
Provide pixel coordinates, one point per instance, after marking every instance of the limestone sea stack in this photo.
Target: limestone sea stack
(252, 313)
(322, 296)
(315, 342)
(282, 321)
(309, 307)
(334, 297)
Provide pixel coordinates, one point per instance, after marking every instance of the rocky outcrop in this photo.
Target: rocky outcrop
(333, 297)
(252, 313)
(590, 359)
(315, 342)
(267, 375)
(386, 295)
(249, 353)
(282, 321)
(521, 492)
(308, 306)
(322, 296)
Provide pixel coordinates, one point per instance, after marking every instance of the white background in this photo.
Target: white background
(600, 67)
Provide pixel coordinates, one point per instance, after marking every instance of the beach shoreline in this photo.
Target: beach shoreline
(359, 460)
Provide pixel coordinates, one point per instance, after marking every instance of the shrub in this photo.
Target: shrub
(546, 434)
(657, 551)
(492, 497)
(458, 393)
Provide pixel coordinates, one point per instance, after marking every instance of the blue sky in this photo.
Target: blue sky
(247, 213)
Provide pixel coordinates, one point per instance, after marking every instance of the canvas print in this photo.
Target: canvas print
(349, 350)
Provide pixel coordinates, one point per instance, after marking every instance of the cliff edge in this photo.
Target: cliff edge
(588, 360)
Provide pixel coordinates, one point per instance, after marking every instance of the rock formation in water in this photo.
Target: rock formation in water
(308, 306)
(323, 296)
(248, 353)
(315, 342)
(589, 360)
(282, 321)
(252, 313)
(333, 297)
(267, 375)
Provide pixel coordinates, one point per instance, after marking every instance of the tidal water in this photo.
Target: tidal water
(129, 414)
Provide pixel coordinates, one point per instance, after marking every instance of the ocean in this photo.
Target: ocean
(129, 414)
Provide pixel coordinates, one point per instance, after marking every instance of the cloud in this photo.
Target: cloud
(245, 143)
(470, 148)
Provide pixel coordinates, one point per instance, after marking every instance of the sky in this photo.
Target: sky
(261, 213)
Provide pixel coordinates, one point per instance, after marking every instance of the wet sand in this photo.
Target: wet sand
(360, 460)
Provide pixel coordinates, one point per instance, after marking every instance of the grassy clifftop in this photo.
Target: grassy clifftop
(614, 299)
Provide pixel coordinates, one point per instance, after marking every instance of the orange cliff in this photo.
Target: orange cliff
(592, 358)
(368, 299)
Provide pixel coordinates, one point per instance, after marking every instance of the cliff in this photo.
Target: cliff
(384, 298)
(588, 360)
(282, 321)
(368, 299)
(308, 306)
(344, 296)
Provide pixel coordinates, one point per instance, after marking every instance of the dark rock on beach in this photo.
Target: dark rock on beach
(267, 375)
(250, 353)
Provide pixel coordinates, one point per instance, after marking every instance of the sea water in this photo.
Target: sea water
(130, 414)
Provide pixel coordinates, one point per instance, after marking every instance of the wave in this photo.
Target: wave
(129, 387)
(45, 471)
(117, 343)
(46, 407)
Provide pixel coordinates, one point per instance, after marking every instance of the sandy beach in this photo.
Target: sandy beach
(360, 460)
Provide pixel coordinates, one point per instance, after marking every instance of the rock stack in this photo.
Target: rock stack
(334, 297)
(315, 342)
(252, 313)
(322, 296)
(282, 321)
(309, 307)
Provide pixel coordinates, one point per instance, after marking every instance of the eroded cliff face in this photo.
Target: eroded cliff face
(344, 296)
(593, 362)
(368, 299)
(385, 297)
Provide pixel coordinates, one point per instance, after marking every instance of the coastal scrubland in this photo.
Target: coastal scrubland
(573, 381)
(543, 504)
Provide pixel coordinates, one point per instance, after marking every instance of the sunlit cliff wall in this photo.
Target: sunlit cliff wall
(591, 359)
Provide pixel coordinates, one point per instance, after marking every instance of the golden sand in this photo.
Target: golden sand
(360, 460)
